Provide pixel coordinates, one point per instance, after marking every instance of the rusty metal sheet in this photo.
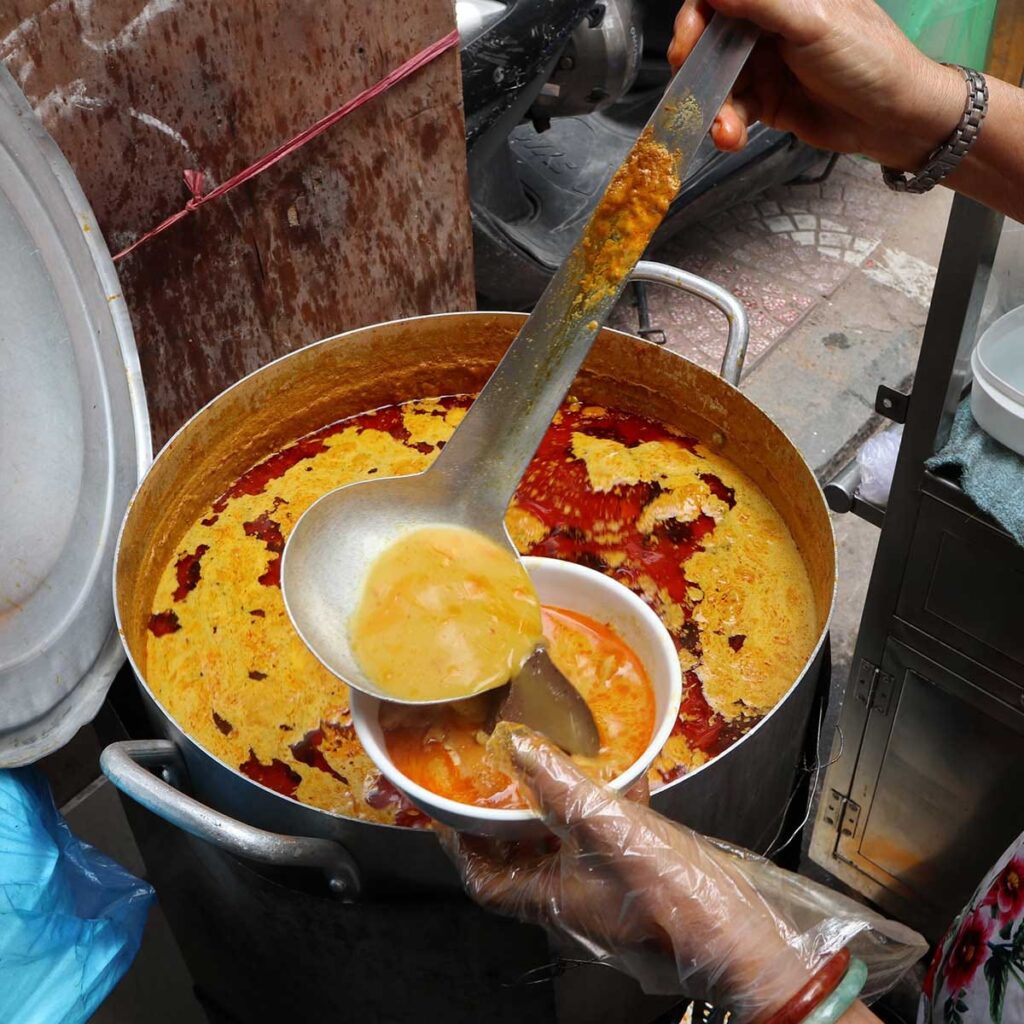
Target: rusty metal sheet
(366, 223)
(1006, 53)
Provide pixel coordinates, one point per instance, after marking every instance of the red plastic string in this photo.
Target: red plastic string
(194, 179)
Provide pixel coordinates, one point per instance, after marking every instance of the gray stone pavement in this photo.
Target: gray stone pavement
(791, 256)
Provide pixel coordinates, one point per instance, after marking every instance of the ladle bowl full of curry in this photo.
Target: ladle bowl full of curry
(448, 758)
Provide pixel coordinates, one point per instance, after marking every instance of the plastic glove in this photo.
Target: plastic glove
(677, 911)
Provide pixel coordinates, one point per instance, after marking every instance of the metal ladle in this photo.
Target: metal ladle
(472, 481)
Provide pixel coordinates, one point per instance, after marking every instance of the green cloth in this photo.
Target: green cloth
(957, 31)
(990, 474)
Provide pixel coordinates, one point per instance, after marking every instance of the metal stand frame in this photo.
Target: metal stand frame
(916, 806)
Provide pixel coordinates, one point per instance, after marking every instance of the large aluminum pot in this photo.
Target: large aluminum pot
(739, 796)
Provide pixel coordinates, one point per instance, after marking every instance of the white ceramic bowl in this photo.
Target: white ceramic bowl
(997, 395)
(591, 593)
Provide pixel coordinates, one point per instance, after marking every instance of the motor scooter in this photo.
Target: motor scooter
(555, 94)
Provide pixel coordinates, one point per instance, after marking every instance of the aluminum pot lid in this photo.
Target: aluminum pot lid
(74, 441)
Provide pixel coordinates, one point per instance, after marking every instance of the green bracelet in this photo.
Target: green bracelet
(843, 996)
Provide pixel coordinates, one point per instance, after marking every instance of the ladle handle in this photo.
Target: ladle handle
(483, 462)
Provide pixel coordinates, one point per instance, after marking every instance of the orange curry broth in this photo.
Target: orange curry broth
(666, 515)
(442, 746)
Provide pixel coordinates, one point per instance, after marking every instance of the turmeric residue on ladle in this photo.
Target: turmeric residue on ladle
(630, 211)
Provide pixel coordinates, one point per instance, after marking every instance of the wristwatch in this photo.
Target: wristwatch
(945, 159)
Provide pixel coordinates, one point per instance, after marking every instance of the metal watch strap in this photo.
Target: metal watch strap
(945, 159)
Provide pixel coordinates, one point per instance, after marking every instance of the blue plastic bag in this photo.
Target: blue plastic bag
(71, 919)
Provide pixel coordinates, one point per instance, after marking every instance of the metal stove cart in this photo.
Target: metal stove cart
(927, 786)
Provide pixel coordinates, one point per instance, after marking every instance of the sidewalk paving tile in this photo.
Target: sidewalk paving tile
(782, 254)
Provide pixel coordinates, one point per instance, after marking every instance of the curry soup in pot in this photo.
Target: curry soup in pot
(677, 523)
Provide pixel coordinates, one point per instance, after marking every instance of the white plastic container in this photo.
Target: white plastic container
(591, 593)
(997, 396)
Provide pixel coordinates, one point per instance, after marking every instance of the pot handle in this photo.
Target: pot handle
(739, 325)
(130, 766)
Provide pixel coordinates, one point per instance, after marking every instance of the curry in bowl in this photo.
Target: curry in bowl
(445, 748)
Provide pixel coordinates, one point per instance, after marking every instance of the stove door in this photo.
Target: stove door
(934, 797)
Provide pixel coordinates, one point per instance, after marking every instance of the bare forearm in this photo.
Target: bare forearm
(842, 76)
(993, 172)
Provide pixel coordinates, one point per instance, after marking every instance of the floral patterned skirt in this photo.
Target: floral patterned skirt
(977, 973)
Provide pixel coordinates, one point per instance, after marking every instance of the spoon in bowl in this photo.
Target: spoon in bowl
(333, 545)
